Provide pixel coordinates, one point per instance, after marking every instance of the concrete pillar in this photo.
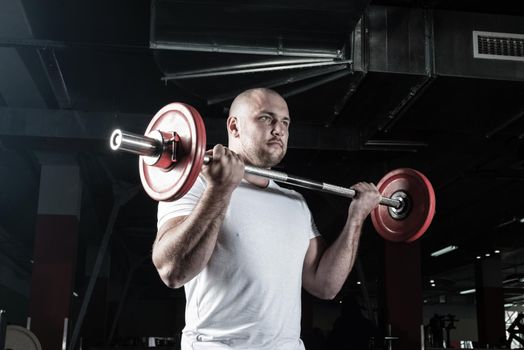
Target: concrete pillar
(403, 294)
(490, 301)
(55, 246)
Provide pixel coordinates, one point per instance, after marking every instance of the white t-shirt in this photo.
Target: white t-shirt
(249, 294)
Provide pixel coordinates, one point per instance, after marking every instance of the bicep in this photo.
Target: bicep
(316, 248)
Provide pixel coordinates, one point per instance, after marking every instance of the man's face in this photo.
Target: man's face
(263, 131)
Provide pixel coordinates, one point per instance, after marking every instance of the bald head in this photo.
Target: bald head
(258, 126)
(244, 103)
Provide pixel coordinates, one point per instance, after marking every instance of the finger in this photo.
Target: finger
(357, 190)
(218, 151)
(359, 186)
(365, 186)
(362, 188)
(237, 156)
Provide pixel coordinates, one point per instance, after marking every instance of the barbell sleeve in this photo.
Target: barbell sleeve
(135, 143)
(151, 147)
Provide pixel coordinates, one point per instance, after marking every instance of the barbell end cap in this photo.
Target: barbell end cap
(208, 159)
(115, 141)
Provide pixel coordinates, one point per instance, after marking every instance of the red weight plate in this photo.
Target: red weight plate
(171, 185)
(422, 206)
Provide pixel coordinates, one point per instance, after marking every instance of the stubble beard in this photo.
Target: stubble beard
(265, 159)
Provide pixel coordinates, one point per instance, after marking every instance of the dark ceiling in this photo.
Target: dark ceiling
(371, 86)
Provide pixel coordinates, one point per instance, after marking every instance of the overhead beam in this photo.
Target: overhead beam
(15, 42)
(254, 68)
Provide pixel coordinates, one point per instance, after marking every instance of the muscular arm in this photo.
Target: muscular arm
(326, 268)
(184, 245)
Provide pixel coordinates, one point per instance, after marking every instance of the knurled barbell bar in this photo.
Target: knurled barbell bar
(172, 153)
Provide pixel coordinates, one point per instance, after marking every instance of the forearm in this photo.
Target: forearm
(183, 249)
(337, 261)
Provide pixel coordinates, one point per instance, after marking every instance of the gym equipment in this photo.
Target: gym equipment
(409, 222)
(20, 338)
(516, 332)
(172, 153)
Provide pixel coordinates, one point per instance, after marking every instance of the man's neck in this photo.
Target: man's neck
(258, 181)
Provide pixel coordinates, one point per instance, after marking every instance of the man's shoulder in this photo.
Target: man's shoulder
(289, 192)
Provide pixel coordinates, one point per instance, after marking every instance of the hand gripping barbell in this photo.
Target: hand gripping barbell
(172, 153)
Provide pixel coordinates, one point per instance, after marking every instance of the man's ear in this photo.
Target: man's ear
(233, 127)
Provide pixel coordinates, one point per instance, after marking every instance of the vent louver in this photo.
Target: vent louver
(499, 46)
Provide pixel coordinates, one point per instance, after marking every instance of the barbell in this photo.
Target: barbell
(172, 154)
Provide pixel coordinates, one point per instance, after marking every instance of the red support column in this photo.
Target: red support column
(54, 254)
(403, 290)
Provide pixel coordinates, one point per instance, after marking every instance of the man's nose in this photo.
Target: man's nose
(278, 129)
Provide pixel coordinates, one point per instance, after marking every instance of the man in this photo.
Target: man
(243, 246)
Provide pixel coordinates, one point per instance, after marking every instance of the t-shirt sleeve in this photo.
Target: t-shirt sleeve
(183, 206)
(312, 227)
(314, 230)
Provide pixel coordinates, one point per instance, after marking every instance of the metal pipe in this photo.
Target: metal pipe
(295, 77)
(395, 143)
(243, 49)
(422, 338)
(180, 76)
(134, 143)
(3, 328)
(505, 124)
(256, 64)
(316, 83)
(64, 334)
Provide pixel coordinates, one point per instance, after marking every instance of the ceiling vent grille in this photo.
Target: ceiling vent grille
(499, 46)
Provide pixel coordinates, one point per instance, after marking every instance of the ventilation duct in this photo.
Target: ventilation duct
(415, 41)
